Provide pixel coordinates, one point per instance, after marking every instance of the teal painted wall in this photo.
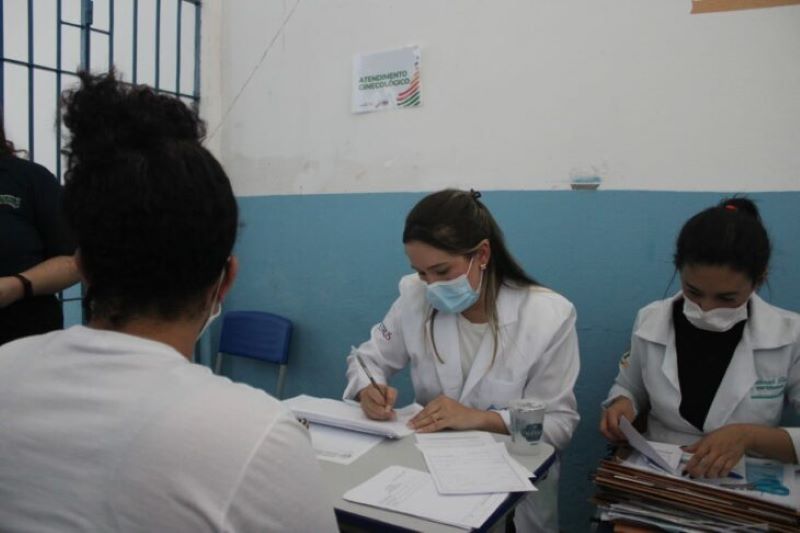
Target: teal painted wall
(331, 263)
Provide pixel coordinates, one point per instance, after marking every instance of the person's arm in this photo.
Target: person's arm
(49, 276)
(444, 412)
(384, 354)
(552, 380)
(719, 451)
(628, 394)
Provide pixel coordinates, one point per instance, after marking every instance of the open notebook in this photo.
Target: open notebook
(348, 415)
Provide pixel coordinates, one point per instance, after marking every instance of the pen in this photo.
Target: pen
(369, 375)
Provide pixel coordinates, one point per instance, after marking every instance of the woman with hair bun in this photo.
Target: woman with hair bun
(477, 332)
(109, 426)
(715, 363)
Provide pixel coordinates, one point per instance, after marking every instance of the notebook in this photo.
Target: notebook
(348, 415)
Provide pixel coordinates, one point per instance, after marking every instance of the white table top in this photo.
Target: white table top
(341, 478)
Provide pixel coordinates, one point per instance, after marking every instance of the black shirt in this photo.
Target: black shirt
(703, 358)
(31, 225)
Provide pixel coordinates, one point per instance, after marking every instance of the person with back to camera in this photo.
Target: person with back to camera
(110, 427)
(36, 253)
(477, 332)
(715, 362)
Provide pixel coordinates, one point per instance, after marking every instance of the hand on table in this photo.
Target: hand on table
(444, 412)
(718, 452)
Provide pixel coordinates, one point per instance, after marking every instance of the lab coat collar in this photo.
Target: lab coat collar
(656, 326)
(767, 327)
(509, 301)
(445, 332)
(739, 378)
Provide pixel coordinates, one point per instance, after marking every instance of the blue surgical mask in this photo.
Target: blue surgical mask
(454, 295)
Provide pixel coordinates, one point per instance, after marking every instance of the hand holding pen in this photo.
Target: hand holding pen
(377, 400)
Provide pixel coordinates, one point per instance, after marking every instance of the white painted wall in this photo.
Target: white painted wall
(516, 95)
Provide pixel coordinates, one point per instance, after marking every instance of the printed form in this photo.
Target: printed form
(412, 492)
(472, 462)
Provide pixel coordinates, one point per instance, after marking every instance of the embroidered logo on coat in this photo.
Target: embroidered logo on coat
(385, 331)
(11, 201)
(767, 389)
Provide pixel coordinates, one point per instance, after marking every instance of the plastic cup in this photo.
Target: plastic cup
(527, 417)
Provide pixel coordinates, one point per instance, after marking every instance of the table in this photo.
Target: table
(357, 517)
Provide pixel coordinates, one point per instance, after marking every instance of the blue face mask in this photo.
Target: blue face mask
(454, 295)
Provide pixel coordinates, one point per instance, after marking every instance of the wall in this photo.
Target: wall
(518, 98)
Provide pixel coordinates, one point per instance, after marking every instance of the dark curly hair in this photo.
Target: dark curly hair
(730, 234)
(152, 210)
(6, 147)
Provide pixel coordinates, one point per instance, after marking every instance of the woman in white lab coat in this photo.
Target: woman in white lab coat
(477, 332)
(715, 363)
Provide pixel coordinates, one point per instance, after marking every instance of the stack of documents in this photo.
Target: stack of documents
(644, 486)
(470, 475)
(633, 494)
(349, 416)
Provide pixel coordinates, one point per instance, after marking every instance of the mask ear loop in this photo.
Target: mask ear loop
(214, 312)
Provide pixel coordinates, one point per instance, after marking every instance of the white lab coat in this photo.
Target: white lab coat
(537, 357)
(763, 372)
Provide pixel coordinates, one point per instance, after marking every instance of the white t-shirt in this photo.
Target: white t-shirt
(102, 431)
(470, 336)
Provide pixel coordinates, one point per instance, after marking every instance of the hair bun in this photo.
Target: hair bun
(106, 116)
(740, 205)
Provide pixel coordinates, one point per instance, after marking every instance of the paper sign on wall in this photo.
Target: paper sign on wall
(387, 80)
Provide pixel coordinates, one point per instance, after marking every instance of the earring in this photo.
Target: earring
(483, 266)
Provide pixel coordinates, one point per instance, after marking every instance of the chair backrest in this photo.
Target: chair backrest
(257, 335)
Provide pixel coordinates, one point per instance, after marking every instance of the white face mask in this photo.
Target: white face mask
(719, 319)
(217, 309)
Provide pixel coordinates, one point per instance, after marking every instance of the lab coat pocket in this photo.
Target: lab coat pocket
(497, 392)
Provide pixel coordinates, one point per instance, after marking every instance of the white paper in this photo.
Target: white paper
(640, 444)
(340, 445)
(475, 470)
(350, 416)
(463, 439)
(671, 453)
(453, 439)
(412, 492)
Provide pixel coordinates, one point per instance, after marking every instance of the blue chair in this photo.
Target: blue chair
(257, 335)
